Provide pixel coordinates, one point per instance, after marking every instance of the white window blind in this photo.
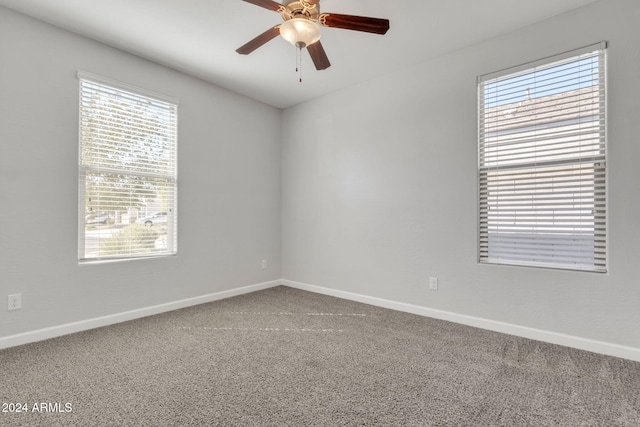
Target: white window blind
(542, 163)
(127, 171)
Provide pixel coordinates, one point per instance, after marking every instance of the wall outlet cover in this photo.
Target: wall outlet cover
(14, 302)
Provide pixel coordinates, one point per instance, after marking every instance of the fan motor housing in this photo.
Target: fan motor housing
(300, 9)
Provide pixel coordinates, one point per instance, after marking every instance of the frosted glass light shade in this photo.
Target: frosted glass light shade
(300, 32)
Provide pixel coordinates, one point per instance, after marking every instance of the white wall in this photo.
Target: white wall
(229, 185)
(380, 188)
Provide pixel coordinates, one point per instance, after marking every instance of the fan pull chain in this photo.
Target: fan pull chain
(299, 63)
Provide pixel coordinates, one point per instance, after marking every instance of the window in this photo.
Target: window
(542, 163)
(127, 171)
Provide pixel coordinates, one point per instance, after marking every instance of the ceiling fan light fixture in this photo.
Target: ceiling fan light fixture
(300, 32)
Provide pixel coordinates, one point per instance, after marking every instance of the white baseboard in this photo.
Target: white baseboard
(601, 347)
(97, 322)
(594, 346)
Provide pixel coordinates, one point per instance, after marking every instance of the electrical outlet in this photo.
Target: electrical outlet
(433, 283)
(14, 302)
(264, 264)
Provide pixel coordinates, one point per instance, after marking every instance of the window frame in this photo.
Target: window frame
(600, 170)
(171, 177)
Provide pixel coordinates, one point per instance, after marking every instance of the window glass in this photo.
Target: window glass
(542, 163)
(127, 173)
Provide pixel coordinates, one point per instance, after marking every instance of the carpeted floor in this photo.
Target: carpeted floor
(285, 357)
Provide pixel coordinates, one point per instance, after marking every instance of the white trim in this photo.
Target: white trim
(594, 346)
(601, 347)
(97, 322)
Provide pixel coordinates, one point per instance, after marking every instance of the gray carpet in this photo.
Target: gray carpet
(285, 357)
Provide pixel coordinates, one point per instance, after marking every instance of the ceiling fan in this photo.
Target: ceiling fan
(301, 27)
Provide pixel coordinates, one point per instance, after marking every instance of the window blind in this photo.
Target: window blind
(128, 171)
(542, 163)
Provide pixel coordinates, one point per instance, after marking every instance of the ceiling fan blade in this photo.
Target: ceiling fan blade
(267, 4)
(263, 38)
(319, 56)
(356, 23)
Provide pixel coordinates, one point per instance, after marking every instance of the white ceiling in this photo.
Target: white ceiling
(200, 37)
